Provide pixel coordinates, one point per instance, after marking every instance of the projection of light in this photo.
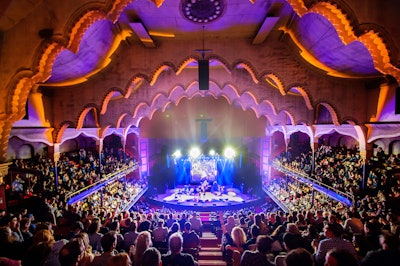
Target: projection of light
(212, 153)
(229, 153)
(177, 154)
(194, 152)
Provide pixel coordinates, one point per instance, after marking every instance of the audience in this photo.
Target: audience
(143, 242)
(299, 257)
(333, 233)
(108, 244)
(71, 253)
(388, 254)
(152, 257)
(175, 256)
(340, 257)
(120, 259)
(260, 255)
(87, 232)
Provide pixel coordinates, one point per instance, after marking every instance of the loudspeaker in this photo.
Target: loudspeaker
(203, 74)
(397, 101)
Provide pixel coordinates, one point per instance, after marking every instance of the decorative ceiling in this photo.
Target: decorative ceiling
(325, 35)
(76, 40)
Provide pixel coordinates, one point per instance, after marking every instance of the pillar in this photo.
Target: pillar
(54, 154)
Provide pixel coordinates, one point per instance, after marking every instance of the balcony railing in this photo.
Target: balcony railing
(108, 178)
(346, 198)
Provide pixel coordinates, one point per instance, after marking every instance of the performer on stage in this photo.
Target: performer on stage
(215, 187)
(204, 185)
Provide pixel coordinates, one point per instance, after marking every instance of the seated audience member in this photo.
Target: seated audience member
(175, 228)
(259, 256)
(277, 237)
(290, 242)
(160, 234)
(25, 225)
(108, 244)
(143, 242)
(175, 256)
(372, 233)
(299, 257)
(95, 235)
(230, 224)
(36, 254)
(71, 253)
(120, 259)
(130, 236)
(9, 246)
(340, 257)
(152, 257)
(170, 220)
(46, 236)
(190, 237)
(145, 225)
(88, 255)
(196, 223)
(239, 239)
(76, 229)
(254, 233)
(333, 233)
(353, 223)
(388, 255)
(115, 226)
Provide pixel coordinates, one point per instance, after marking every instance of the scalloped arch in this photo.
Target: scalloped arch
(159, 70)
(305, 95)
(80, 27)
(103, 131)
(331, 111)
(249, 69)
(223, 62)
(291, 117)
(271, 105)
(107, 98)
(185, 63)
(85, 111)
(275, 82)
(58, 134)
(135, 83)
(349, 120)
(229, 92)
(372, 40)
(140, 110)
(120, 119)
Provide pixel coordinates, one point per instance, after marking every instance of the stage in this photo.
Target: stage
(188, 198)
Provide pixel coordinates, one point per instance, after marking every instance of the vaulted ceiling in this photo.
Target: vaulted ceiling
(145, 52)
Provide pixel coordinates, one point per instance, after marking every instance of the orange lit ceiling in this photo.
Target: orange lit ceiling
(326, 36)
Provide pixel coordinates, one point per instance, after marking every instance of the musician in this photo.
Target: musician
(215, 187)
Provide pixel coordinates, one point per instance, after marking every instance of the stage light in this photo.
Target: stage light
(229, 153)
(194, 152)
(212, 153)
(177, 154)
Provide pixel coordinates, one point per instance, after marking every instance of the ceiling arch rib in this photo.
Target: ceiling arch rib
(89, 112)
(304, 94)
(371, 39)
(112, 94)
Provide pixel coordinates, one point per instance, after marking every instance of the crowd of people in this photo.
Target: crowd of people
(313, 230)
(344, 171)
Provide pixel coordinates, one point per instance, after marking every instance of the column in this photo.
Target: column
(54, 154)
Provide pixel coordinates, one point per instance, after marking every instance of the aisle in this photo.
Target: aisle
(210, 253)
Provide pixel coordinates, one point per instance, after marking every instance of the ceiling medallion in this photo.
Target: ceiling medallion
(202, 11)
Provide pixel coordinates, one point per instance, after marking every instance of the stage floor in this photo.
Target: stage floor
(205, 201)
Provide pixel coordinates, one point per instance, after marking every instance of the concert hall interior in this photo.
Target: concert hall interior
(200, 106)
